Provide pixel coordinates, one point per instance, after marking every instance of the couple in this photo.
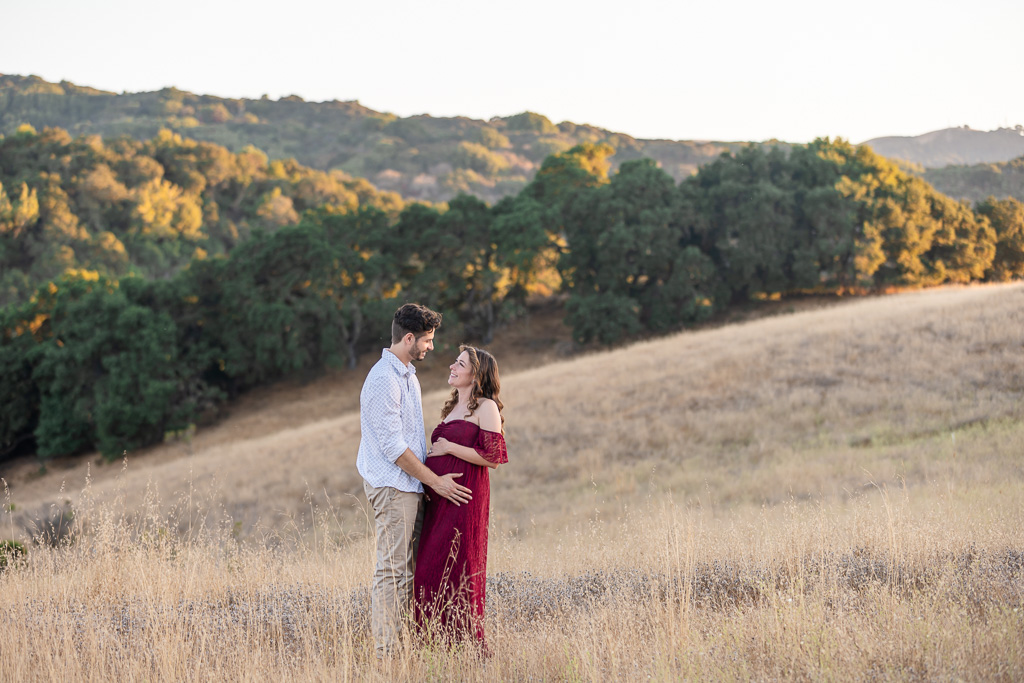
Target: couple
(431, 550)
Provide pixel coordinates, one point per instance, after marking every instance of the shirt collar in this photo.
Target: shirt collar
(398, 366)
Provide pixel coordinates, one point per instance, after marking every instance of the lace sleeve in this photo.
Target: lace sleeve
(491, 447)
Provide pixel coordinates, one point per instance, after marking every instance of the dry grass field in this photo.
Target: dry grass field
(832, 494)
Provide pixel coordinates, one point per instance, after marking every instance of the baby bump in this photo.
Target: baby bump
(445, 464)
(473, 476)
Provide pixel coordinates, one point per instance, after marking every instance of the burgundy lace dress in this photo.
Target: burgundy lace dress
(451, 566)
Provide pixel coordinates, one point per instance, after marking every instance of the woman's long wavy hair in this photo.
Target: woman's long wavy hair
(486, 383)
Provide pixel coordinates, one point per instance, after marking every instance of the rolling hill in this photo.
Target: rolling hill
(953, 146)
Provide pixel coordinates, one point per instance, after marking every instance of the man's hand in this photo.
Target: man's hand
(444, 486)
(447, 488)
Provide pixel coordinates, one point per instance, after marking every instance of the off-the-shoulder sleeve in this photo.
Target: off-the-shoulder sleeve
(491, 447)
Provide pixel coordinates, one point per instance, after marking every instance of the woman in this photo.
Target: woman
(451, 568)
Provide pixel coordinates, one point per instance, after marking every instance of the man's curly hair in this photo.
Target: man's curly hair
(414, 318)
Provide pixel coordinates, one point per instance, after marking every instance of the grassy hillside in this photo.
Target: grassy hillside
(953, 146)
(758, 411)
(834, 493)
(421, 157)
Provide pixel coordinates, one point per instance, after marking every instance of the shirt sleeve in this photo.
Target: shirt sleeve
(491, 447)
(383, 408)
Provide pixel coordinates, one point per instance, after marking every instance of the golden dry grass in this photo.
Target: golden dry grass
(833, 494)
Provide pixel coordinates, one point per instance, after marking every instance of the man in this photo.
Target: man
(392, 450)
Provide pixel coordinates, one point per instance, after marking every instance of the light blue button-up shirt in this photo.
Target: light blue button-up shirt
(391, 420)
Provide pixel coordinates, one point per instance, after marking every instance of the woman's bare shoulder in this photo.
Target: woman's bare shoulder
(490, 417)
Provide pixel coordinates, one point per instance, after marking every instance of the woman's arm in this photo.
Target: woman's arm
(445, 447)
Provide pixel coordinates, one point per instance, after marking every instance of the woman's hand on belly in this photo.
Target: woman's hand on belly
(440, 447)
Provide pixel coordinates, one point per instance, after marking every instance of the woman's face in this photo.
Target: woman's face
(461, 375)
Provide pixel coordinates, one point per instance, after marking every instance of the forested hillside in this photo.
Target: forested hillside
(122, 206)
(435, 159)
(112, 354)
(420, 157)
(980, 181)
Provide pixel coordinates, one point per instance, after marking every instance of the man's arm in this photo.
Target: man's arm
(444, 486)
(381, 408)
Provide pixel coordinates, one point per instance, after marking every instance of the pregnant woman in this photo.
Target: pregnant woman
(451, 568)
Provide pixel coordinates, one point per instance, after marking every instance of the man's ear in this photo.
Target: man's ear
(409, 339)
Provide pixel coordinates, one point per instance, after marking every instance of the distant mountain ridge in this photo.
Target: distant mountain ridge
(953, 146)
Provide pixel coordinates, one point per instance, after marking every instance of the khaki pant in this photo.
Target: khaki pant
(399, 517)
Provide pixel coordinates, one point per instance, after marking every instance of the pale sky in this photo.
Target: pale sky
(721, 70)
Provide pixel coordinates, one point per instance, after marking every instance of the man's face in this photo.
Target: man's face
(421, 345)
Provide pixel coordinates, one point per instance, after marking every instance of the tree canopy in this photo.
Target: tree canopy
(150, 208)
